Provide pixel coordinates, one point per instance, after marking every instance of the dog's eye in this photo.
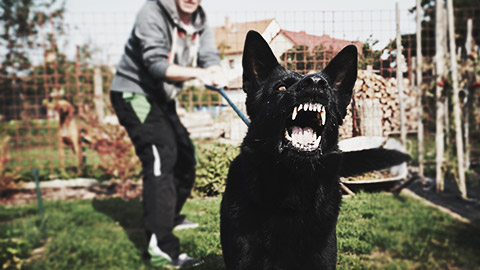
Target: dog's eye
(282, 88)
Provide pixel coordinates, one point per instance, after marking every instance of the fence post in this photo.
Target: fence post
(98, 93)
(78, 88)
(403, 132)
(440, 52)
(419, 89)
(456, 102)
(466, 108)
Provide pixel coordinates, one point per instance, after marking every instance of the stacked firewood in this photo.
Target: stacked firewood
(376, 107)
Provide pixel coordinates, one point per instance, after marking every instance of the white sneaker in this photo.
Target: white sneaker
(184, 260)
(160, 258)
(157, 256)
(185, 225)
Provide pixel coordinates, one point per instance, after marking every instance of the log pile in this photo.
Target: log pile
(376, 107)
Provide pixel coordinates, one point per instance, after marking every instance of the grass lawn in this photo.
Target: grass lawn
(375, 231)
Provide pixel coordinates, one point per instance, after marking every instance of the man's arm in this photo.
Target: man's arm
(213, 75)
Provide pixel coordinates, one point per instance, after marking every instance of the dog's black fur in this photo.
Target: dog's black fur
(281, 203)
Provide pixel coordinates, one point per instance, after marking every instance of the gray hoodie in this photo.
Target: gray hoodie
(145, 60)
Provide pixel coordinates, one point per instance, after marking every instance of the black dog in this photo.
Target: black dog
(282, 199)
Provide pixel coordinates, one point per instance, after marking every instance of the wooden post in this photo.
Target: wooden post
(403, 132)
(440, 53)
(456, 102)
(98, 93)
(466, 109)
(419, 89)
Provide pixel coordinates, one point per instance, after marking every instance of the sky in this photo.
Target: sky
(109, 22)
(243, 5)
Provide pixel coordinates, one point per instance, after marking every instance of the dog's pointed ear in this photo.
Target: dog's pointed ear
(342, 74)
(258, 61)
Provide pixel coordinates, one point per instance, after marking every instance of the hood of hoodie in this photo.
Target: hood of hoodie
(199, 17)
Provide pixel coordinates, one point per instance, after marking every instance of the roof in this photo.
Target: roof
(312, 41)
(230, 38)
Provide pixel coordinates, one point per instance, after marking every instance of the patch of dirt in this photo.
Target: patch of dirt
(451, 197)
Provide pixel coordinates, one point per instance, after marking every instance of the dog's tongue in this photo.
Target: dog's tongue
(303, 135)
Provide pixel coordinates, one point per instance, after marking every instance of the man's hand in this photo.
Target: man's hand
(219, 78)
(213, 75)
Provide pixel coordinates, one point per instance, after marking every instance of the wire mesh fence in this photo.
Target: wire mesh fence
(56, 73)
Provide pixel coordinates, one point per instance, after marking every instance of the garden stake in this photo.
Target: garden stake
(234, 107)
(39, 194)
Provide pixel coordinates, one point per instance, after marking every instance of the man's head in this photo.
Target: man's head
(187, 7)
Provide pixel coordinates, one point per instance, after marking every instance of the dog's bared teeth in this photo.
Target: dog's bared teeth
(294, 113)
(300, 107)
(287, 136)
(310, 107)
(323, 115)
(317, 142)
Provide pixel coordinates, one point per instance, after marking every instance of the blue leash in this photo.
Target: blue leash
(234, 107)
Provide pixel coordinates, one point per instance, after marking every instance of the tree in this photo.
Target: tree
(23, 21)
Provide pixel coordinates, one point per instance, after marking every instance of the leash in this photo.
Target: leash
(234, 107)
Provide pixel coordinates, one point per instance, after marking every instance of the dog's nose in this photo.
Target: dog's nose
(313, 80)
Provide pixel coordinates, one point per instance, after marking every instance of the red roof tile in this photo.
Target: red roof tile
(312, 41)
(231, 37)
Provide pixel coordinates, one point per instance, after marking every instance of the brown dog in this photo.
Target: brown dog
(68, 130)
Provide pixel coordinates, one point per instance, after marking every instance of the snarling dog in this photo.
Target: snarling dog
(281, 203)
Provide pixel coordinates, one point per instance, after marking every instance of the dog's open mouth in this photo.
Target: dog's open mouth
(304, 128)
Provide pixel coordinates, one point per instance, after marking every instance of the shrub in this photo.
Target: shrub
(212, 167)
(117, 155)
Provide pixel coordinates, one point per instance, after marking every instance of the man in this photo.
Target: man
(170, 43)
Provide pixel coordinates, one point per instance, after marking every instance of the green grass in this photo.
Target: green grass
(375, 231)
(380, 231)
(47, 160)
